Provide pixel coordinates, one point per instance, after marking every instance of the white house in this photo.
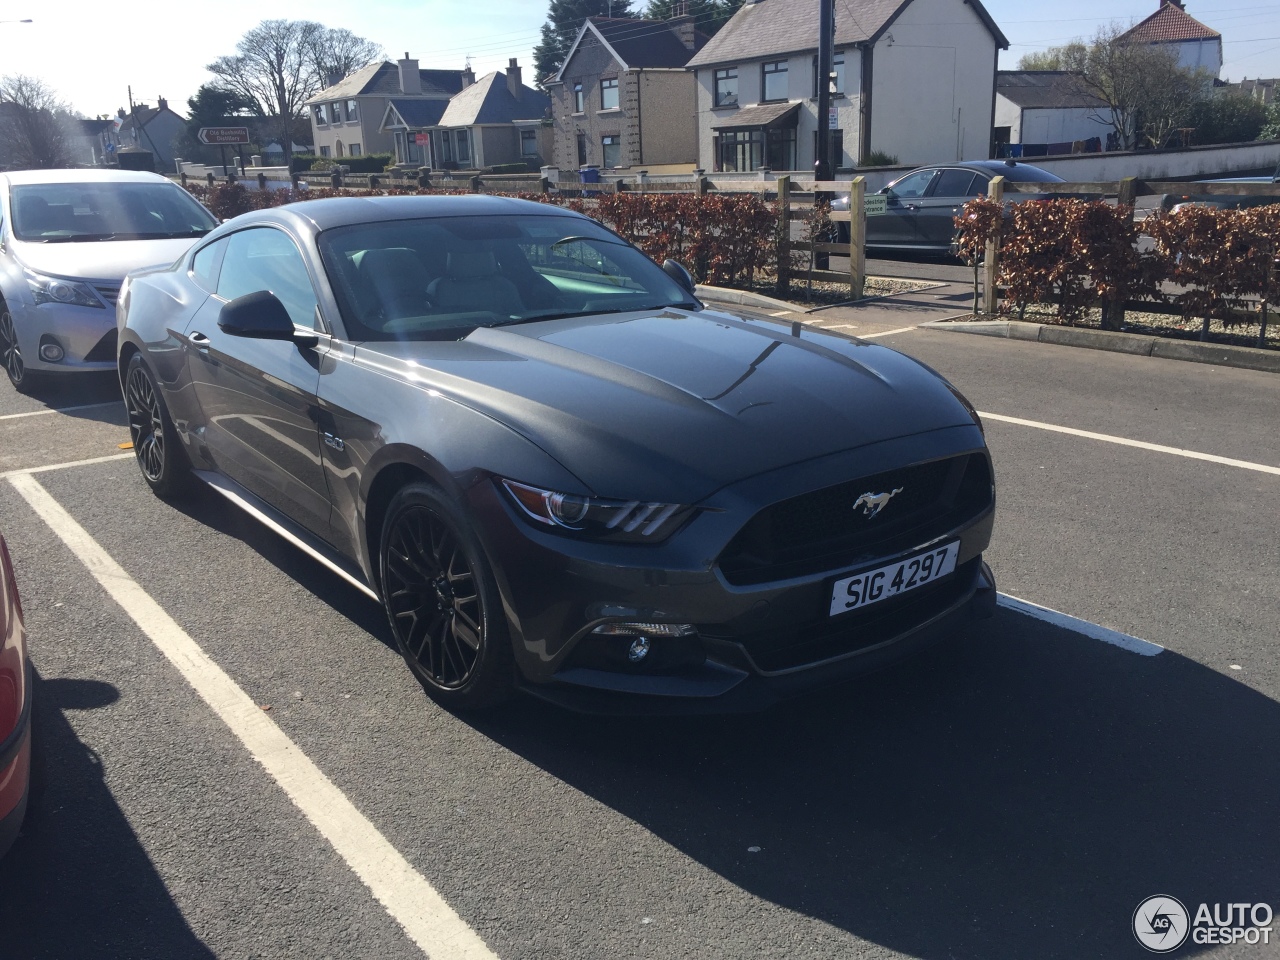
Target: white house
(1197, 47)
(1048, 107)
(915, 80)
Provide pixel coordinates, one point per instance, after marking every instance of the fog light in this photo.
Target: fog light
(51, 352)
(638, 650)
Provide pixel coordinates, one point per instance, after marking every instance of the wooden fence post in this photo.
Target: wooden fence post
(857, 237)
(208, 178)
(784, 235)
(262, 181)
(335, 179)
(991, 262)
(1125, 194)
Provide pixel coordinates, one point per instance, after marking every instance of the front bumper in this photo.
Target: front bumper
(87, 336)
(756, 643)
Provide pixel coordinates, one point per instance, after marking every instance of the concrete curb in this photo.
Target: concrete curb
(743, 298)
(1246, 358)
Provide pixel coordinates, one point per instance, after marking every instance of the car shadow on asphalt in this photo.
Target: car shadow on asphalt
(78, 390)
(77, 883)
(205, 506)
(1014, 795)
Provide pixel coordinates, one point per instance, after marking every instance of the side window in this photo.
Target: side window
(913, 185)
(954, 183)
(262, 258)
(204, 265)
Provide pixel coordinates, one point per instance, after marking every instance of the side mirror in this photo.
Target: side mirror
(679, 274)
(261, 316)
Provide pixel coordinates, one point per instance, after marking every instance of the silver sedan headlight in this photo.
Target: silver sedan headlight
(54, 290)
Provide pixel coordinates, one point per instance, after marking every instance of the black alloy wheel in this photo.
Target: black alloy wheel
(155, 441)
(441, 601)
(10, 354)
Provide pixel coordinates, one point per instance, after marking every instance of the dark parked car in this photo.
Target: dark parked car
(15, 707)
(921, 206)
(554, 466)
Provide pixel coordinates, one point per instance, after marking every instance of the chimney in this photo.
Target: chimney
(468, 76)
(332, 77)
(685, 31)
(514, 86)
(162, 103)
(121, 114)
(410, 78)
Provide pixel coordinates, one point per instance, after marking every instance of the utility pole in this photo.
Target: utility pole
(826, 54)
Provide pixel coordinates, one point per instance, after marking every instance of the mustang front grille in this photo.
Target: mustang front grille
(823, 530)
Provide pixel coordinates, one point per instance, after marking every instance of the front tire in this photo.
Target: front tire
(156, 446)
(442, 601)
(11, 358)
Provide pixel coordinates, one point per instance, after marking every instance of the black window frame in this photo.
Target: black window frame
(842, 77)
(726, 74)
(780, 68)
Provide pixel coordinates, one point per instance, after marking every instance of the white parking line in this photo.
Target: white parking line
(1144, 648)
(407, 896)
(41, 413)
(884, 333)
(63, 466)
(1140, 444)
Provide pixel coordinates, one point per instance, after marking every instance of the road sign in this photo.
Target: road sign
(218, 136)
(876, 204)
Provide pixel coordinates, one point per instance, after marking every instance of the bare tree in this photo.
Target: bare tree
(339, 52)
(34, 125)
(1147, 95)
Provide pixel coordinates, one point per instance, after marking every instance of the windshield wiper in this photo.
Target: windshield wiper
(100, 237)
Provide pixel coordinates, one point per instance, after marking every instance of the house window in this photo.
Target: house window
(609, 94)
(837, 67)
(321, 111)
(612, 149)
(727, 87)
(579, 103)
(324, 151)
(528, 143)
(582, 149)
(353, 150)
(741, 150)
(775, 80)
(464, 146)
(353, 111)
(782, 149)
(446, 147)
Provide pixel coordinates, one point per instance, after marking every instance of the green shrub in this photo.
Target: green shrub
(878, 158)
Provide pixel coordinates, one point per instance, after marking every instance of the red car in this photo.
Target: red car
(15, 706)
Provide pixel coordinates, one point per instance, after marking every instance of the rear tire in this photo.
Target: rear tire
(156, 446)
(442, 601)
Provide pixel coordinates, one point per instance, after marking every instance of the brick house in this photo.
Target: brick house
(623, 97)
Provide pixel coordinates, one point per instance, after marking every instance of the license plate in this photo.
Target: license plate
(872, 586)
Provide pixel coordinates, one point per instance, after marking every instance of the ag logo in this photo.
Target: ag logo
(1161, 924)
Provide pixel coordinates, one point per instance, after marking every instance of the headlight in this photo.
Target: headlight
(52, 290)
(596, 517)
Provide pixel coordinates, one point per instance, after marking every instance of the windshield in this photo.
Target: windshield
(81, 212)
(440, 278)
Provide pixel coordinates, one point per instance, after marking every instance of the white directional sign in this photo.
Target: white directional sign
(875, 204)
(217, 136)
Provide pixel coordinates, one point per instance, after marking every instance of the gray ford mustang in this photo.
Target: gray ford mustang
(554, 467)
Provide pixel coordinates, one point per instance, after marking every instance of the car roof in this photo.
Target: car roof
(330, 212)
(88, 175)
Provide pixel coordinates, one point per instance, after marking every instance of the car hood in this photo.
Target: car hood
(674, 405)
(98, 260)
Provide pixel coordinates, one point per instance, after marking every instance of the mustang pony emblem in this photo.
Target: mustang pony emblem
(873, 503)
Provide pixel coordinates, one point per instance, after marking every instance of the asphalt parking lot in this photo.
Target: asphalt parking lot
(1016, 793)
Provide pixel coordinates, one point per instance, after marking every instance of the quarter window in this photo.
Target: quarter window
(609, 94)
(727, 87)
(775, 80)
(204, 265)
(266, 259)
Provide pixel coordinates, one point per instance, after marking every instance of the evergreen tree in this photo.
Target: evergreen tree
(708, 15)
(564, 19)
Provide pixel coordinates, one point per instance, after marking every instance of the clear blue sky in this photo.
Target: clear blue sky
(90, 52)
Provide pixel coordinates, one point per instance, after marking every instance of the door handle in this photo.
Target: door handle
(912, 206)
(199, 341)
